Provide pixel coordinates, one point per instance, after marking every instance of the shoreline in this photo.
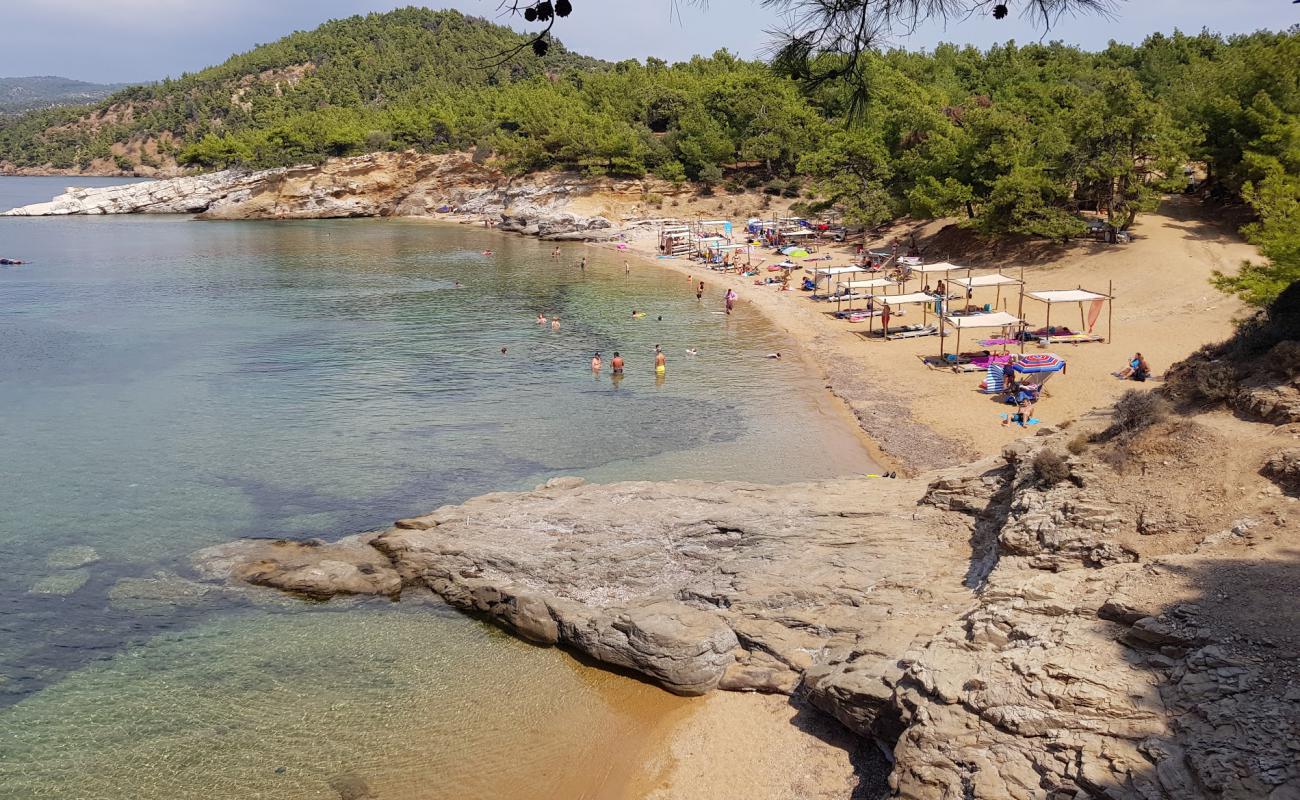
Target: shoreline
(835, 392)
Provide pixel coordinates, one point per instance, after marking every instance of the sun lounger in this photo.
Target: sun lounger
(912, 331)
(1071, 338)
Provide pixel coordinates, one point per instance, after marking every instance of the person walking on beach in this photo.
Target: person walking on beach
(699, 292)
(616, 364)
(884, 318)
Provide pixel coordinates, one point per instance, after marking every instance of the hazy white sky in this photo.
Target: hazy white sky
(135, 40)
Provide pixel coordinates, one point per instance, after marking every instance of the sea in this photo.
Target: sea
(169, 384)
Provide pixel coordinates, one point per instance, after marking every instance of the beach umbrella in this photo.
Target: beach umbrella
(798, 252)
(1041, 365)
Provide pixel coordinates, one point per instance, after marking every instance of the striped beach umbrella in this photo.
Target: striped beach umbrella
(1042, 365)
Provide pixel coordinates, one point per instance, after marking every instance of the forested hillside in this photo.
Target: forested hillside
(1015, 139)
(18, 95)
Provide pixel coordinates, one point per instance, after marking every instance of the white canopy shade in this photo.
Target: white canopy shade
(829, 271)
(996, 279)
(874, 283)
(800, 232)
(938, 266)
(710, 239)
(1066, 296)
(997, 319)
(903, 299)
(712, 222)
(732, 247)
(676, 229)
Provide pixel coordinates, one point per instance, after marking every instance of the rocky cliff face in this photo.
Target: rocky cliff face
(377, 185)
(1009, 630)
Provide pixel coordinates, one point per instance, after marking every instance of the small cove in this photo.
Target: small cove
(171, 384)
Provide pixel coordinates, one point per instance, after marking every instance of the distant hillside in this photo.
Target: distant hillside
(19, 95)
(409, 57)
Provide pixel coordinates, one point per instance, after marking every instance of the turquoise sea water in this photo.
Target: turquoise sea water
(167, 384)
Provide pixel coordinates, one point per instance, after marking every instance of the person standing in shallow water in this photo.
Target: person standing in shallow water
(595, 363)
(661, 361)
(616, 364)
(730, 297)
(699, 292)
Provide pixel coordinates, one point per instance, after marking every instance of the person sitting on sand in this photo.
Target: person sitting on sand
(1137, 369)
(595, 363)
(1026, 397)
(616, 363)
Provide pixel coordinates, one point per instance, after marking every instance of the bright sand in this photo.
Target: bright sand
(1164, 307)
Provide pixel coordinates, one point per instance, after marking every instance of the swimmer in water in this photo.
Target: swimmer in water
(555, 323)
(456, 285)
(555, 253)
(595, 363)
(541, 319)
(503, 351)
(637, 314)
(487, 252)
(616, 363)
(691, 351)
(773, 355)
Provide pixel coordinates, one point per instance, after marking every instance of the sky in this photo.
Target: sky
(122, 41)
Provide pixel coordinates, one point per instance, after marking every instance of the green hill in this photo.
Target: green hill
(324, 78)
(19, 95)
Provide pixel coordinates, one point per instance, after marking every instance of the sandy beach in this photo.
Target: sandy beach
(921, 417)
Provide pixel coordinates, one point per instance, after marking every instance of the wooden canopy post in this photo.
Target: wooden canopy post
(1110, 311)
(1020, 310)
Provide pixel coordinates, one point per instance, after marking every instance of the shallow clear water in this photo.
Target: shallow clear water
(168, 384)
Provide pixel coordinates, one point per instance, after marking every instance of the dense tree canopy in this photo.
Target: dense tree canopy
(1014, 139)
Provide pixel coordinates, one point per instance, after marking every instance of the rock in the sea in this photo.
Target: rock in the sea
(161, 594)
(61, 584)
(309, 568)
(72, 557)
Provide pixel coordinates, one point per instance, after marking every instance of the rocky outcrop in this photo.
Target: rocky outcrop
(188, 195)
(376, 185)
(693, 585)
(1006, 638)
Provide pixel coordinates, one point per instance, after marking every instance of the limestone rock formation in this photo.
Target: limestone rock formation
(405, 184)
